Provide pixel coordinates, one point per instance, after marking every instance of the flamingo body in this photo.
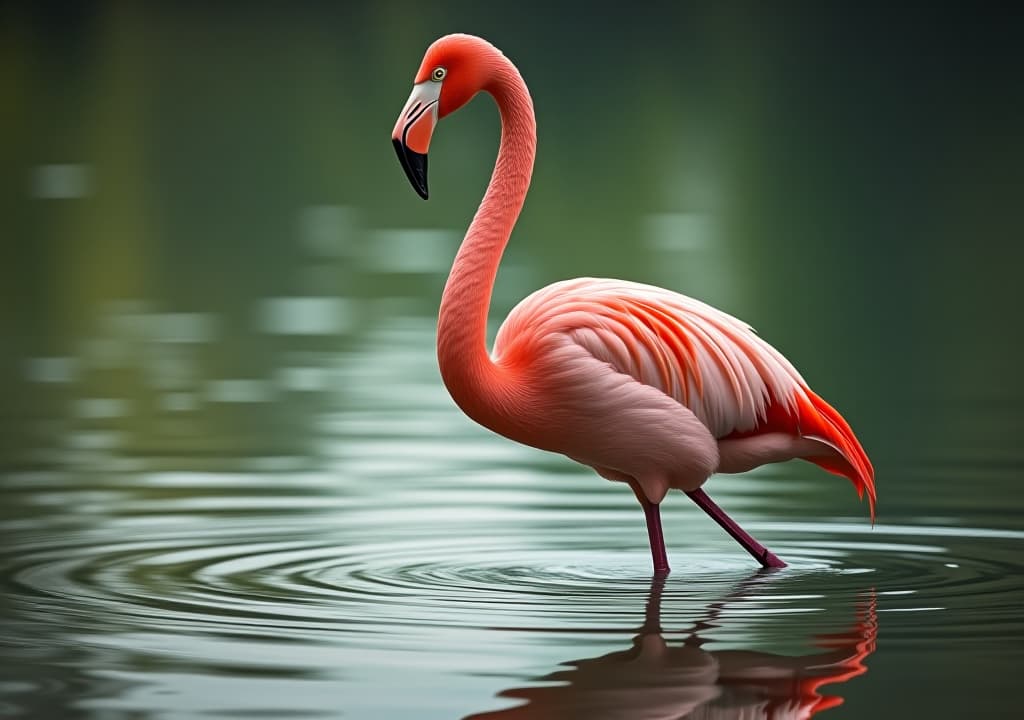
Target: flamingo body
(606, 354)
(646, 386)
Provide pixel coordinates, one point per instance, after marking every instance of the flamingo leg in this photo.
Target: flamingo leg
(757, 550)
(652, 511)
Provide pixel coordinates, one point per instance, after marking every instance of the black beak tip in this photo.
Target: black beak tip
(415, 166)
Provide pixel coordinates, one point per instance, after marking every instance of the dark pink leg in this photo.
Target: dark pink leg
(653, 514)
(752, 546)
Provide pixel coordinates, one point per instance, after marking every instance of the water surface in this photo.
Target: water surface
(421, 566)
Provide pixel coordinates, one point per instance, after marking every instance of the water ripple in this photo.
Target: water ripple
(334, 573)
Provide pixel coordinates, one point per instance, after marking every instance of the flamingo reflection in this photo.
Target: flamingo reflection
(652, 679)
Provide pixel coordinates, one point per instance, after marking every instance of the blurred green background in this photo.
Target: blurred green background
(845, 179)
(205, 230)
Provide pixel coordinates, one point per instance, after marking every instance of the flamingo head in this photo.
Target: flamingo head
(453, 70)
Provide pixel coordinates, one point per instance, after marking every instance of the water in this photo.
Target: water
(421, 566)
(232, 484)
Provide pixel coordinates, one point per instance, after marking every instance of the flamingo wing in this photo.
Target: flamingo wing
(733, 381)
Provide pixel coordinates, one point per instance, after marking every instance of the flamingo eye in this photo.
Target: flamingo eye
(438, 74)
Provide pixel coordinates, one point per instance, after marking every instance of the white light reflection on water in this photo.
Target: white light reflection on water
(61, 182)
(411, 250)
(51, 369)
(305, 316)
(239, 390)
(417, 546)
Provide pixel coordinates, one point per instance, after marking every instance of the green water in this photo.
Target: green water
(232, 484)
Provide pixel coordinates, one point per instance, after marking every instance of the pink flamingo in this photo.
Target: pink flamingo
(644, 385)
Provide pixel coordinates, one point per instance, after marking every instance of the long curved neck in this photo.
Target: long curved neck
(476, 383)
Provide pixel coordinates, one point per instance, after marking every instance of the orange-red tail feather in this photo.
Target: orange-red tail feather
(820, 421)
(815, 419)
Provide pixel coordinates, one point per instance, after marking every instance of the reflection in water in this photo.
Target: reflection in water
(654, 679)
(289, 540)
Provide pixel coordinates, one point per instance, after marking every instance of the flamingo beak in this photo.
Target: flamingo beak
(411, 136)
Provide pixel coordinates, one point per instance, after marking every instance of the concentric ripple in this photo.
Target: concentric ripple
(347, 568)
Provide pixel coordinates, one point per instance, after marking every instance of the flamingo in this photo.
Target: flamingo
(644, 385)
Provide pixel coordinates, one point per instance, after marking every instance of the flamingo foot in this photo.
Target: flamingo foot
(760, 553)
(652, 511)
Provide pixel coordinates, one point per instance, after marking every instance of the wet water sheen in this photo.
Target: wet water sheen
(423, 567)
